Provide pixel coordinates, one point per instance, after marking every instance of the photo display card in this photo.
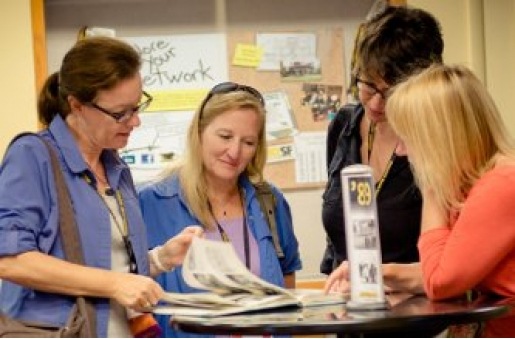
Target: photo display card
(362, 234)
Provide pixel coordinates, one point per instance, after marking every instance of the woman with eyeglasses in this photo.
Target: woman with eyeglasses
(89, 107)
(213, 186)
(390, 46)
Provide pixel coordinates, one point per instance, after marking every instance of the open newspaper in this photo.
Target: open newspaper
(230, 287)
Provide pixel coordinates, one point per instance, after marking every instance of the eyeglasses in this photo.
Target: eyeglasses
(370, 89)
(128, 113)
(227, 87)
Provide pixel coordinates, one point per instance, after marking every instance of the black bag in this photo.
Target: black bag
(82, 319)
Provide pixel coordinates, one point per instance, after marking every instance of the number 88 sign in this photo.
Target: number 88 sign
(360, 190)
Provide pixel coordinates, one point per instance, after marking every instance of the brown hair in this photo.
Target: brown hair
(91, 65)
(396, 43)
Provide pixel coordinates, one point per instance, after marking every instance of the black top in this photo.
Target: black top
(399, 202)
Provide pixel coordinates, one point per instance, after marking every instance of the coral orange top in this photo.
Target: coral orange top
(478, 250)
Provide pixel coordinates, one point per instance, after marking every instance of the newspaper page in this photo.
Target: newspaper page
(230, 287)
(215, 266)
(335, 311)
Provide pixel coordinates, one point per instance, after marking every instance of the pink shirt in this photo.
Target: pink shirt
(478, 251)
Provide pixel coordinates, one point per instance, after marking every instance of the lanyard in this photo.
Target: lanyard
(381, 180)
(122, 227)
(225, 237)
(371, 136)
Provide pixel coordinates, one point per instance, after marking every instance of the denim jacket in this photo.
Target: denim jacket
(29, 219)
(166, 214)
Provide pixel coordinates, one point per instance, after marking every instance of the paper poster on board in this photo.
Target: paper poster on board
(278, 47)
(178, 71)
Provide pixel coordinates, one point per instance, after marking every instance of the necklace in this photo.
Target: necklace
(225, 237)
(371, 136)
(227, 202)
(122, 227)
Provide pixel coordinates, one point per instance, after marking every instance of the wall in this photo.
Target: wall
(500, 56)
(17, 85)
(453, 17)
(481, 35)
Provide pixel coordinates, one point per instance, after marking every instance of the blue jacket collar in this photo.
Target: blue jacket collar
(170, 187)
(72, 156)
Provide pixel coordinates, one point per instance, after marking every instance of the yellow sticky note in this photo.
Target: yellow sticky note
(280, 152)
(176, 100)
(247, 55)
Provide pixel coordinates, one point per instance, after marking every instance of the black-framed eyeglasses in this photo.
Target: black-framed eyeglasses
(227, 87)
(128, 113)
(370, 89)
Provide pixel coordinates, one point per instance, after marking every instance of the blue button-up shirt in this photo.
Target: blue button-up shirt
(166, 214)
(29, 218)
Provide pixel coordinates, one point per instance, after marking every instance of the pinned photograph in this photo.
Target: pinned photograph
(308, 69)
(323, 100)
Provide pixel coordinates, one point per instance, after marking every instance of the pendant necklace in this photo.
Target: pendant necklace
(225, 237)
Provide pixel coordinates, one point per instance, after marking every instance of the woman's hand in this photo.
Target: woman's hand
(172, 253)
(397, 278)
(135, 291)
(338, 280)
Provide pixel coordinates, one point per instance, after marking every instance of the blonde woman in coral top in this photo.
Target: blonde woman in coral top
(464, 164)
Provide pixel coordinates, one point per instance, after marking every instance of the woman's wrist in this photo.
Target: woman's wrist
(158, 261)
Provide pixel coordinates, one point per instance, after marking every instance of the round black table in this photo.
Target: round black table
(415, 316)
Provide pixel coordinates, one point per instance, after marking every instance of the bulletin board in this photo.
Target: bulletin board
(330, 51)
(301, 76)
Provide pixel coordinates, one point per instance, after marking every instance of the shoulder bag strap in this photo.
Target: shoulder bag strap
(267, 202)
(70, 239)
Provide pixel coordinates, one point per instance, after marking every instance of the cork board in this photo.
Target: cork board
(330, 51)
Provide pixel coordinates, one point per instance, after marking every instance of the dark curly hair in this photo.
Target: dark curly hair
(396, 43)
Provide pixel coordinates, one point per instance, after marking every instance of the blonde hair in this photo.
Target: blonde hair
(452, 128)
(190, 167)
